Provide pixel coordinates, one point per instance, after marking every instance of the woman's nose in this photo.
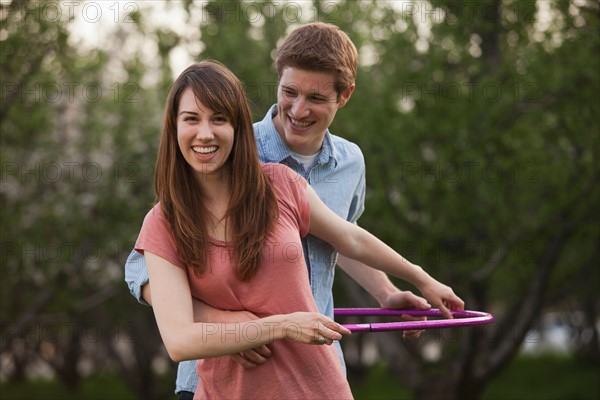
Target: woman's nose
(204, 132)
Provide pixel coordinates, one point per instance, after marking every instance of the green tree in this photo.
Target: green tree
(78, 148)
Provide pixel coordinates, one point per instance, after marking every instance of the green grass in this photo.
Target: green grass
(380, 385)
(100, 387)
(527, 378)
(546, 378)
(543, 378)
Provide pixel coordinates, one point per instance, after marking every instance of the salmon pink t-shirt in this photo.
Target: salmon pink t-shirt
(281, 286)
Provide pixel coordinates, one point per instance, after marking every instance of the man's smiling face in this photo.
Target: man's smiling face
(306, 105)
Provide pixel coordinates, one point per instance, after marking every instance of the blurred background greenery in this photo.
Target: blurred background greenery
(479, 124)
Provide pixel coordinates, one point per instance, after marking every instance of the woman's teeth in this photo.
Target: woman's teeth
(204, 150)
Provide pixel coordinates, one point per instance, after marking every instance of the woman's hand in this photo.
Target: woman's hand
(312, 328)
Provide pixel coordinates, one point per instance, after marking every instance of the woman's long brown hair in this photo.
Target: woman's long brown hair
(252, 208)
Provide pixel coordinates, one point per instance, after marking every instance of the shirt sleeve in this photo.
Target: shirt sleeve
(357, 207)
(155, 237)
(136, 275)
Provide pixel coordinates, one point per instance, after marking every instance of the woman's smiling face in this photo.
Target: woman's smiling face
(205, 136)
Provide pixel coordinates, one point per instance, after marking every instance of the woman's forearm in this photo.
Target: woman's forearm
(208, 340)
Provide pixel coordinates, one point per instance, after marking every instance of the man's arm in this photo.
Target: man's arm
(376, 282)
(378, 285)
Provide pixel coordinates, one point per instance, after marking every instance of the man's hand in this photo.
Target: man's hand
(248, 359)
(406, 299)
(442, 297)
(252, 358)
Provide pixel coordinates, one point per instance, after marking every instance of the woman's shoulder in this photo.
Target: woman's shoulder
(290, 190)
(155, 217)
(155, 211)
(279, 172)
(283, 177)
(272, 167)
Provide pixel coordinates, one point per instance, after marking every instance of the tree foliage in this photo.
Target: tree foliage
(78, 136)
(482, 149)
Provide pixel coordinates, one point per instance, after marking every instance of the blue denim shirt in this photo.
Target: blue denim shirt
(338, 177)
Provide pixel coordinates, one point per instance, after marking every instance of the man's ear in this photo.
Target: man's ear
(345, 97)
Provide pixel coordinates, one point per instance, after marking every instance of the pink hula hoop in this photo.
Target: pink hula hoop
(461, 318)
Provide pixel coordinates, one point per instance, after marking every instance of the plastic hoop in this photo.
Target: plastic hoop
(461, 318)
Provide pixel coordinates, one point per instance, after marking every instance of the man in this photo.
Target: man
(317, 65)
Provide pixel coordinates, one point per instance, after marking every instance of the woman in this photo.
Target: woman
(227, 230)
